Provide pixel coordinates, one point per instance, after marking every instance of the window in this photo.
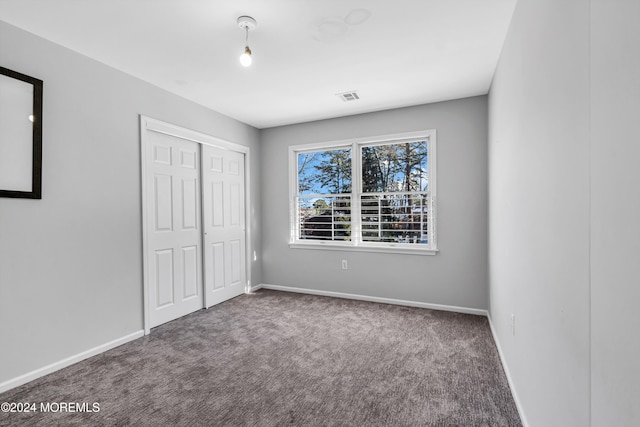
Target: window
(371, 194)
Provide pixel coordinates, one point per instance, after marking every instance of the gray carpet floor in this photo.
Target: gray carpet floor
(282, 359)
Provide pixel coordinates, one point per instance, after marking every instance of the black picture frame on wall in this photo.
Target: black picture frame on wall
(20, 135)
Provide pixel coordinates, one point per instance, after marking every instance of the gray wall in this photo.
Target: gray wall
(456, 276)
(563, 211)
(71, 263)
(615, 208)
(539, 209)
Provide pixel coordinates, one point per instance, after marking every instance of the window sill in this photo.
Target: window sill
(390, 249)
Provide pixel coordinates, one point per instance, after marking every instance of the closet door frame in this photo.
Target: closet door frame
(148, 124)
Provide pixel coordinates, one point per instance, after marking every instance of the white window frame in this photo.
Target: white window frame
(356, 243)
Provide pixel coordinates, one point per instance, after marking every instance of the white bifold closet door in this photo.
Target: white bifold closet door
(174, 228)
(223, 199)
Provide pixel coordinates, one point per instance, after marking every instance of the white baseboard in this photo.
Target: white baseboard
(456, 309)
(30, 376)
(508, 374)
(256, 287)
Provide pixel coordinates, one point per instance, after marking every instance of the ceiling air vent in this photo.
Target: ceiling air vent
(348, 96)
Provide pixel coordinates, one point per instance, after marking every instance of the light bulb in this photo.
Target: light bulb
(245, 58)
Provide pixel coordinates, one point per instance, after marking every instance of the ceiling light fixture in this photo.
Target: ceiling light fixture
(246, 23)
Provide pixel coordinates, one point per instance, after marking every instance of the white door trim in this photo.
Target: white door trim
(154, 125)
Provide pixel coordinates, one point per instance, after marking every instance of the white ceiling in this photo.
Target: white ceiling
(394, 53)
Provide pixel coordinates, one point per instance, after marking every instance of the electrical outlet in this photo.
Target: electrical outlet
(513, 324)
(345, 264)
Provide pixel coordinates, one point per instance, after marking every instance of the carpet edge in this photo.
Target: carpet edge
(441, 307)
(68, 361)
(507, 373)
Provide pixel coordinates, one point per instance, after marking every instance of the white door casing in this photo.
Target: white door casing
(179, 259)
(224, 224)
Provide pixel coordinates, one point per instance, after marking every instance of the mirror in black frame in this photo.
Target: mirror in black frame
(20, 135)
